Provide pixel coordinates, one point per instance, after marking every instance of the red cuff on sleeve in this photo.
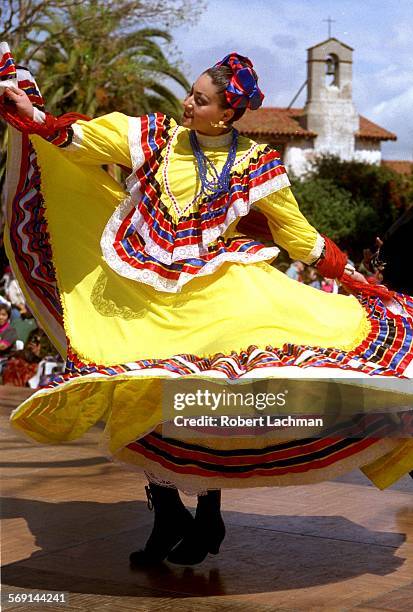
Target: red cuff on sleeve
(333, 263)
(50, 126)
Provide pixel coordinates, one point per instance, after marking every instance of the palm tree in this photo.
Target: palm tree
(96, 66)
(89, 56)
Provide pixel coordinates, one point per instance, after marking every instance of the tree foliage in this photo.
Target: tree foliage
(331, 209)
(20, 18)
(352, 202)
(93, 56)
(96, 56)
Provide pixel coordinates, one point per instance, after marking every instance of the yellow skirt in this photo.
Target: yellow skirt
(123, 338)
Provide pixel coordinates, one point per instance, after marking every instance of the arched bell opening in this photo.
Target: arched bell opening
(332, 74)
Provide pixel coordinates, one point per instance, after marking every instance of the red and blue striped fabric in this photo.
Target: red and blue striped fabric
(7, 65)
(386, 351)
(28, 230)
(200, 230)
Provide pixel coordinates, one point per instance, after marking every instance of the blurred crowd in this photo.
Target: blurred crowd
(309, 275)
(27, 358)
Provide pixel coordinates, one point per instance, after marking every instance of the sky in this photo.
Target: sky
(276, 33)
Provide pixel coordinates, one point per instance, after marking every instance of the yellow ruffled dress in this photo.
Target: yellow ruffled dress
(123, 335)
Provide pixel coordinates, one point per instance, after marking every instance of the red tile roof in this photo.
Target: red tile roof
(272, 121)
(372, 131)
(278, 121)
(398, 165)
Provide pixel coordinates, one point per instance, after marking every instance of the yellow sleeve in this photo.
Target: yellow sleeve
(103, 140)
(289, 228)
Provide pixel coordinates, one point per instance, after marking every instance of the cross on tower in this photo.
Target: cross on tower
(329, 21)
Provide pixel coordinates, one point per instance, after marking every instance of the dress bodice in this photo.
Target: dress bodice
(162, 233)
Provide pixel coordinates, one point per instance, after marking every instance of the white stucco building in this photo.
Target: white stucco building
(329, 121)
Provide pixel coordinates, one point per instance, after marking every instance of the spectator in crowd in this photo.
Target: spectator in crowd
(295, 271)
(365, 266)
(24, 324)
(13, 293)
(329, 285)
(312, 278)
(23, 364)
(8, 335)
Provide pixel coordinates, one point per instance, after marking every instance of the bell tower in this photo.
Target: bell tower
(329, 110)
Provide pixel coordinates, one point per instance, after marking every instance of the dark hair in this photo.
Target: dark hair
(5, 308)
(35, 336)
(221, 77)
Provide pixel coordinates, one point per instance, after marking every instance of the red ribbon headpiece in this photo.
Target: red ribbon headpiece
(242, 90)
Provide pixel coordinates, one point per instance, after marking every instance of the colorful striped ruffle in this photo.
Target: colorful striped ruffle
(7, 65)
(386, 351)
(29, 237)
(283, 463)
(144, 242)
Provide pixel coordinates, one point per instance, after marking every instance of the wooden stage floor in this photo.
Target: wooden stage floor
(70, 520)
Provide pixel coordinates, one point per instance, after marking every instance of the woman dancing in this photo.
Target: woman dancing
(168, 280)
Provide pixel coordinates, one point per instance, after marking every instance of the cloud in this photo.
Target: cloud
(399, 105)
(284, 41)
(393, 113)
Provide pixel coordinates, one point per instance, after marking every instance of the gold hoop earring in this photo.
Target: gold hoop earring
(221, 124)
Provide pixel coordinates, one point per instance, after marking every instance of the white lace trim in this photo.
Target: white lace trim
(316, 251)
(109, 234)
(262, 191)
(135, 144)
(154, 479)
(133, 185)
(149, 277)
(239, 208)
(77, 138)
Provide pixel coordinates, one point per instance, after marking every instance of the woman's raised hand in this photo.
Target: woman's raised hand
(357, 276)
(23, 105)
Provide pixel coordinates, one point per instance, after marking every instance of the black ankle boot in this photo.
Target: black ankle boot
(172, 523)
(206, 533)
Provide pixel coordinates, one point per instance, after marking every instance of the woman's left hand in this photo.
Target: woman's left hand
(24, 107)
(357, 276)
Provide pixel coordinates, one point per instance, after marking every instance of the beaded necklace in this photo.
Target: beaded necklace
(219, 183)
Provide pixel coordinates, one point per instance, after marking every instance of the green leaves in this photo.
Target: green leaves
(95, 56)
(330, 209)
(352, 202)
